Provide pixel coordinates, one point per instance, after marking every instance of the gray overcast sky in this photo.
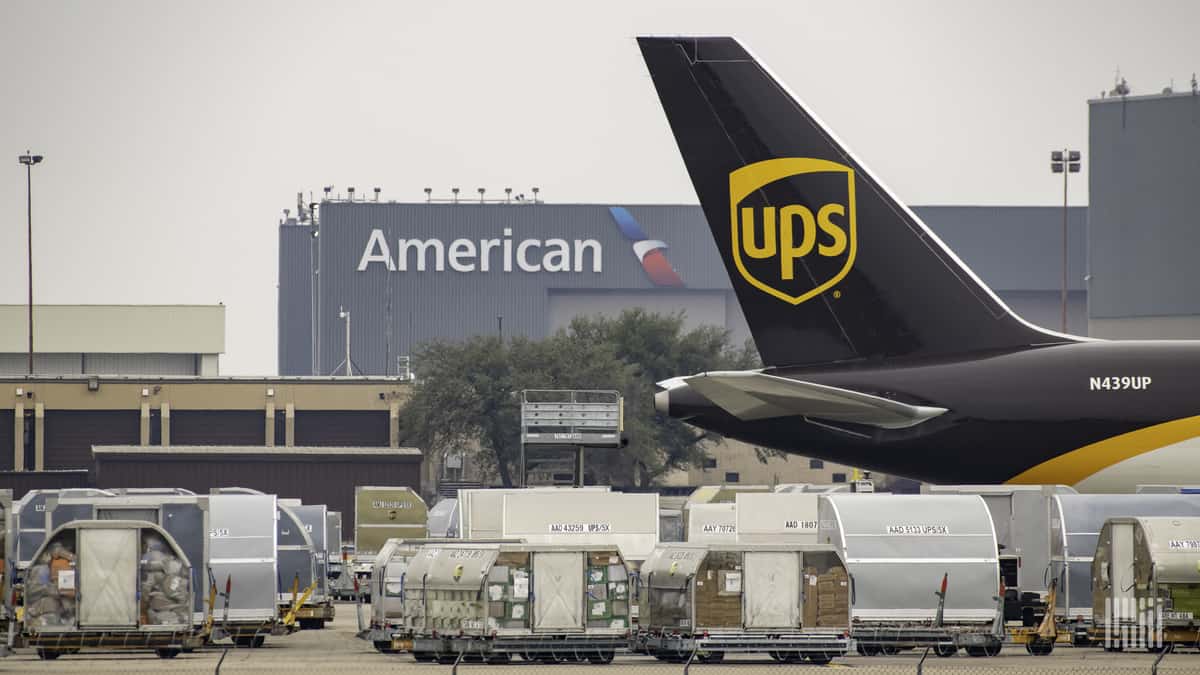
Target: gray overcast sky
(175, 132)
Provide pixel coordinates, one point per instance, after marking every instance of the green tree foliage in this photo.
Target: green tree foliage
(468, 393)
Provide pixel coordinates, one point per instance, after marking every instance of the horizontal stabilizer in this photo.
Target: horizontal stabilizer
(751, 395)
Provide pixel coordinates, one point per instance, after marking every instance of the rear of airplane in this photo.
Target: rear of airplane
(827, 264)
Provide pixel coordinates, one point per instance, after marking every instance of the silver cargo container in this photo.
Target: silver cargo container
(543, 602)
(900, 550)
(110, 584)
(712, 523)
(242, 553)
(298, 572)
(442, 522)
(791, 601)
(777, 517)
(1075, 523)
(481, 511)
(628, 521)
(314, 517)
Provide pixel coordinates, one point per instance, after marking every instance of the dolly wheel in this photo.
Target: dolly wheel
(48, 654)
(820, 658)
(944, 650)
(711, 657)
(167, 652)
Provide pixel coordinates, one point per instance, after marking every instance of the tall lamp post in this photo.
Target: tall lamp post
(29, 159)
(1065, 162)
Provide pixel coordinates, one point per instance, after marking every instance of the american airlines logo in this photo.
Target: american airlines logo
(650, 252)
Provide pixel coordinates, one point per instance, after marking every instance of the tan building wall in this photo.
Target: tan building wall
(736, 457)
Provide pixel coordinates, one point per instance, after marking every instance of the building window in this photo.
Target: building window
(839, 478)
(710, 463)
(732, 477)
(816, 464)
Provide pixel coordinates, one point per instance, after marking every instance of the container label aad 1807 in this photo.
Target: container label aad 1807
(580, 528)
(1184, 544)
(799, 524)
(923, 530)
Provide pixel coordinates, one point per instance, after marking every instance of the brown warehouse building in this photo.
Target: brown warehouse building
(314, 438)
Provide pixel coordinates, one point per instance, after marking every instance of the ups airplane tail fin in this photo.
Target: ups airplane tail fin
(827, 264)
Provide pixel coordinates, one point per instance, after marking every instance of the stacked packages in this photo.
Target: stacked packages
(164, 584)
(833, 599)
(50, 598)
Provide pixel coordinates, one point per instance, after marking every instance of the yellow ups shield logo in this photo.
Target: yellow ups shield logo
(794, 251)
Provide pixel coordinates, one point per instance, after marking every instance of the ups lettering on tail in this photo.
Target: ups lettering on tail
(794, 242)
(793, 251)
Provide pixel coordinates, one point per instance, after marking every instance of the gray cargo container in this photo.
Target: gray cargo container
(900, 550)
(315, 519)
(791, 601)
(711, 523)
(1075, 523)
(543, 602)
(242, 553)
(299, 572)
(185, 518)
(442, 522)
(111, 584)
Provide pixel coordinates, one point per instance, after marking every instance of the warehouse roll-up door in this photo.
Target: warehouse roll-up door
(558, 591)
(108, 569)
(772, 590)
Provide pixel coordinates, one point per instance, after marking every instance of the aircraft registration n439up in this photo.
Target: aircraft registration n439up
(881, 348)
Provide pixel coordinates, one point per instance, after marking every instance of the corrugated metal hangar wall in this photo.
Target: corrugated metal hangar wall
(410, 273)
(1142, 223)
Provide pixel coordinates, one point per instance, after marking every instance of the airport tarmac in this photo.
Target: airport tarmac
(336, 650)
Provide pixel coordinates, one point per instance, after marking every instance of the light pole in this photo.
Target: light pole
(1065, 162)
(29, 159)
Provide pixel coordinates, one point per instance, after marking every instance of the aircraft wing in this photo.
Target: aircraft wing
(752, 395)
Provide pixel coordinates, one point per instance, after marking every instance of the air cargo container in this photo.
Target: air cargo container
(333, 550)
(776, 517)
(442, 522)
(1146, 583)
(711, 523)
(6, 518)
(314, 518)
(1021, 517)
(300, 594)
(382, 513)
(243, 556)
(185, 518)
(543, 602)
(232, 538)
(481, 511)
(386, 630)
(112, 584)
(791, 601)
(628, 521)
(1075, 523)
(923, 570)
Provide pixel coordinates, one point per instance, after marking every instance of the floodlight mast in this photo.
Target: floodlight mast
(29, 159)
(1065, 162)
